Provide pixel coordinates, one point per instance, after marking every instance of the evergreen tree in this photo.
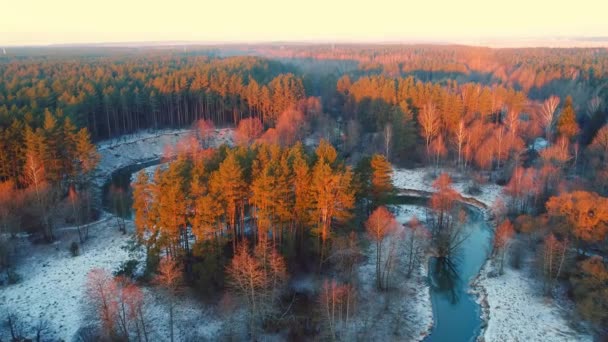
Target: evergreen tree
(566, 124)
(381, 180)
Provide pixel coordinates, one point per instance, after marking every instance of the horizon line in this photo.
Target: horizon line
(578, 41)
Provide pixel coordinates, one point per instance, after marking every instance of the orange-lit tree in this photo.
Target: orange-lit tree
(502, 238)
(585, 214)
(169, 276)
(446, 219)
(379, 225)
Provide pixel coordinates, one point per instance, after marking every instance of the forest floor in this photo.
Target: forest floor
(403, 312)
(53, 287)
(516, 310)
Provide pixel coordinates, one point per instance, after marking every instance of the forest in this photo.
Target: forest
(342, 202)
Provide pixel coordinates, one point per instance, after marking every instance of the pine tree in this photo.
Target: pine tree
(54, 143)
(381, 180)
(301, 184)
(68, 150)
(326, 152)
(141, 205)
(263, 199)
(227, 183)
(35, 178)
(566, 124)
(86, 157)
(333, 198)
(172, 207)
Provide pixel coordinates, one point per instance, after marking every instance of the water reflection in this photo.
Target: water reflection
(117, 193)
(445, 280)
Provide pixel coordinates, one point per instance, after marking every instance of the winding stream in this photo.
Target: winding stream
(456, 314)
(121, 179)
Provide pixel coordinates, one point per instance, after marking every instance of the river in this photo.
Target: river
(120, 203)
(456, 314)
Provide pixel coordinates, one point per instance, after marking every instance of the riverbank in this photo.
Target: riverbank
(145, 146)
(512, 305)
(420, 180)
(418, 183)
(515, 308)
(404, 311)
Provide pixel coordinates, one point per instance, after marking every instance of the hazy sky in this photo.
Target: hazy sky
(74, 21)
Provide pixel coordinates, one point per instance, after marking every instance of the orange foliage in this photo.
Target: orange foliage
(444, 196)
(585, 212)
(380, 223)
(248, 130)
(290, 127)
(503, 234)
(204, 131)
(101, 291)
(169, 274)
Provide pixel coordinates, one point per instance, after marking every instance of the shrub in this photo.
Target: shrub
(127, 268)
(13, 277)
(74, 248)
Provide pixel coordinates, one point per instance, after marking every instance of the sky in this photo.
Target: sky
(34, 22)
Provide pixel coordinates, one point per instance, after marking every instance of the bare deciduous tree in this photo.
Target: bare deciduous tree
(429, 123)
(169, 277)
(548, 114)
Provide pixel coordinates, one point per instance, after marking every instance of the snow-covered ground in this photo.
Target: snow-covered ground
(145, 146)
(53, 281)
(421, 179)
(519, 312)
(405, 312)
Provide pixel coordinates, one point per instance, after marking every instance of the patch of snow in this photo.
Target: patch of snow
(539, 144)
(53, 281)
(145, 146)
(404, 213)
(149, 171)
(517, 310)
(405, 311)
(53, 285)
(193, 321)
(421, 179)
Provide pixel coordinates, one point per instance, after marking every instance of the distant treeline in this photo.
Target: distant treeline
(124, 93)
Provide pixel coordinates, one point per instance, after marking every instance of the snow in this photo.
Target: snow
(404, 213)
(53, 285)
(421, 179)
(193, 320)
(53, 281)
(404, 312)
(149, 171)
(539, 144)
(517, 310)
(145, 146)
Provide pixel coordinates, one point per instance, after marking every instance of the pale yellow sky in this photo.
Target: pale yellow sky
(78, 21)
